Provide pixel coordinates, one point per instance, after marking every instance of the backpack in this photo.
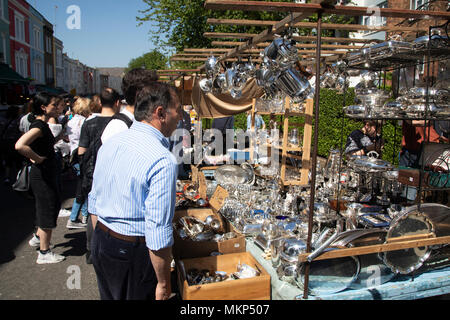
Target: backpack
(89, 158)
(124, 118)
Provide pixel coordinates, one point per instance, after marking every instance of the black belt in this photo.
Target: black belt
(119, 236)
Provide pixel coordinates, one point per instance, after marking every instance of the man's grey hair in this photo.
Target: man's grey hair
(150, 97)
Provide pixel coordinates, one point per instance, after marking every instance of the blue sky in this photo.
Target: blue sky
(109, 36)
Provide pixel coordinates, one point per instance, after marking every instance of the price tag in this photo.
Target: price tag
(194, 174)
(201, 185)
(218, 198)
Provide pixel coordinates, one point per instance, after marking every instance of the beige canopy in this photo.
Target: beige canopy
(208, 105)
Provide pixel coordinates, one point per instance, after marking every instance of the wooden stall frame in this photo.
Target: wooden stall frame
(300, 12)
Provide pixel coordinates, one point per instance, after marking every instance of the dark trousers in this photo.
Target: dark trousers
(124, 269)
(89, 232)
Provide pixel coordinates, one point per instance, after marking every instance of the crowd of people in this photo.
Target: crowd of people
(124, 191)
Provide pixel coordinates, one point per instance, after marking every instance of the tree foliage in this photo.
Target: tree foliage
(179, 24)
(153, 60)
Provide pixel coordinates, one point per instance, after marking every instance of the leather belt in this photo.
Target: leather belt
(119, 236)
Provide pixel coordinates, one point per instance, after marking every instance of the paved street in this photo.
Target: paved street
(20, 277)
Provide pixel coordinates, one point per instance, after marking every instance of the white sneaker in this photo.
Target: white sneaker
(84, 220)
(75, 225)
(64, 213)
(49, 257)
(35, 242)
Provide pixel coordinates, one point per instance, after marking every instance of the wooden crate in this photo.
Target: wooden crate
(256, 288)
(184, 249)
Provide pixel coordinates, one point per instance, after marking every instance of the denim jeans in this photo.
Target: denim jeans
(76, 207)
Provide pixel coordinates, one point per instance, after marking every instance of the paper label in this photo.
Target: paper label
(218, 198)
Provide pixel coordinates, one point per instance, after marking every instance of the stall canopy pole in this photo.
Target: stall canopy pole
(314, 155)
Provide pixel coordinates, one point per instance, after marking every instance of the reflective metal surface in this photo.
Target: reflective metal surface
(232, 174)
(373, 272)
(329, 276)
(430, 218)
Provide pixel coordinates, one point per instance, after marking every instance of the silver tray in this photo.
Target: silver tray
(389, 48)
(366, 164)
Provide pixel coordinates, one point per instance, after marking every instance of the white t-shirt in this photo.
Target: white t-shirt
(24, 125)
(116, 125)
(60, 145)
(73, 131)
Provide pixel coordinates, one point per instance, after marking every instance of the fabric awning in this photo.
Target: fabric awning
(208, 105)
(8, 75)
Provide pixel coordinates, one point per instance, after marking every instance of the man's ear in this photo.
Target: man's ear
(160, 111)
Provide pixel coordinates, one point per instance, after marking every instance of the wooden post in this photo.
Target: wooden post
(285, 139)
(306, 148)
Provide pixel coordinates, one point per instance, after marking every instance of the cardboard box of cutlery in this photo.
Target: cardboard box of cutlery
(185, 247)
(253, 288)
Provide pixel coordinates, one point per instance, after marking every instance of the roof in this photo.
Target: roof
(8, 75)
(115, 72)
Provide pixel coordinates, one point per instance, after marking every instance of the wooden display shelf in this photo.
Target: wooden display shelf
(285, 147)
(288, 148)
(400, 243)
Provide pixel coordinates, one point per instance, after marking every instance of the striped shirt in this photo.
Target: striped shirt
(133, 191)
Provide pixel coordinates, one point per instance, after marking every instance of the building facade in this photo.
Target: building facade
(373, 20)
(19, 35)
(37, 58)
(422, 24)
(5, 53)
(112, 78)
(48, 54)
(58, 63)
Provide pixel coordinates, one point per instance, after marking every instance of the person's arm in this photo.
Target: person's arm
(161, 260)
(83, 143)
(356, 153)
(159, 210)
(81, 150)
(23, 145)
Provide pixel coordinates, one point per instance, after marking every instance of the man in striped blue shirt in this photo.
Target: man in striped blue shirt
(133, 196)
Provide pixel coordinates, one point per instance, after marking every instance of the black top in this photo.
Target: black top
(357, 140)
(90, 138)
(43, 145)
(91, 129)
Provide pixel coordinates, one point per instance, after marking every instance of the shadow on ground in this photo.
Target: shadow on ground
(17, 214)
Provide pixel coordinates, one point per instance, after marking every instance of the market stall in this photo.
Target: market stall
(349, 229)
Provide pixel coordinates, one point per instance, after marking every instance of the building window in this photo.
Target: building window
(375, 20)
(21, 63)
(19, 21)
(38, 70)
(59, 58)
(37, 39)
(419, 4)
(48, 44)
(49, 71)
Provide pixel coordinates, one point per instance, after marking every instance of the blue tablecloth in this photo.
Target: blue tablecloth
(406, 287)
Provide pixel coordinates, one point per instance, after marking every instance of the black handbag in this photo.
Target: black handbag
(22, 183)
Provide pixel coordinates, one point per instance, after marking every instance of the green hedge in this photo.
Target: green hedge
(333, 126)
